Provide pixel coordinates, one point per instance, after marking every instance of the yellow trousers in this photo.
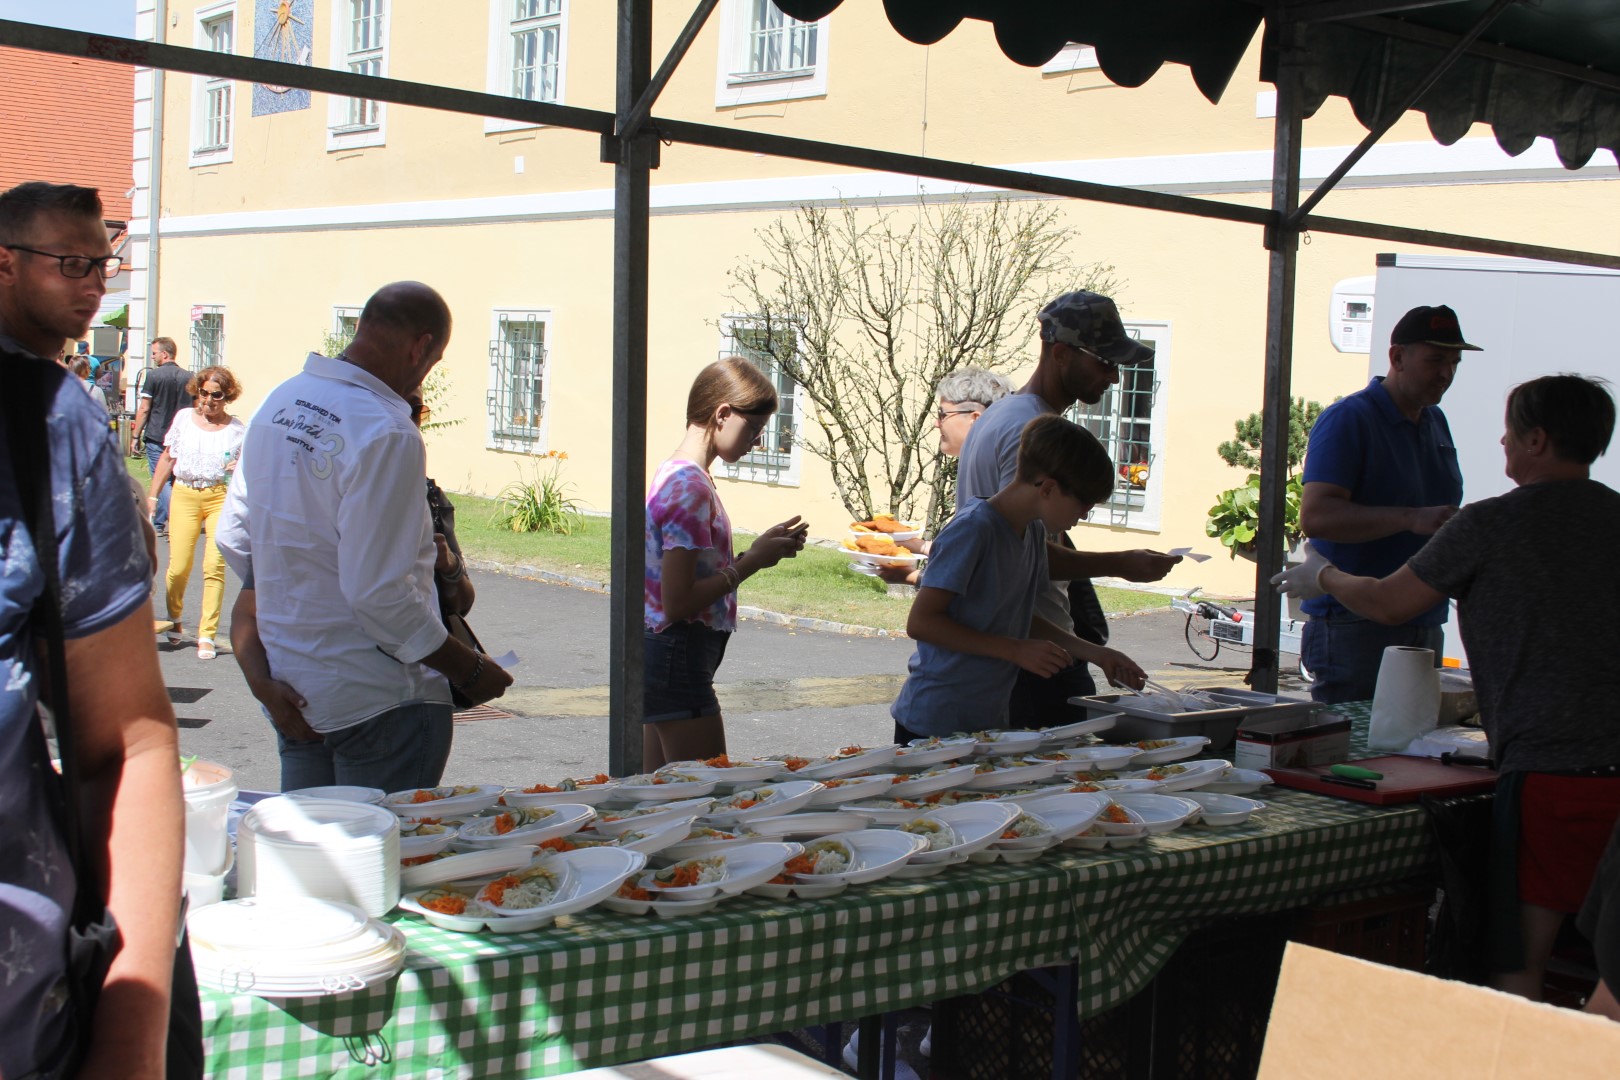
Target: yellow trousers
(191, 512)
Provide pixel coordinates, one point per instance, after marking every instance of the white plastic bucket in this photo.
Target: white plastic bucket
(205, 889)
(209, 789)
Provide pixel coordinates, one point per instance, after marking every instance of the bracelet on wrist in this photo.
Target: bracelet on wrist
(470, 680)
(457, 574)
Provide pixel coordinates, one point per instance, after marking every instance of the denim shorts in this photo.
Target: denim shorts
(678, 667)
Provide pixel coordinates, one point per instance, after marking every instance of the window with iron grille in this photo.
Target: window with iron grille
(207, 337)
(779, 45)
(517, 370)
(776, 457)
(365, 57)
(767, 55)
(1128, 422)
(536, 49)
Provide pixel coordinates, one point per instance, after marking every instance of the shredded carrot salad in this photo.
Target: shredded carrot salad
(538, 789)
(425, 796)
(495, 891)
(681, 878)
(418, 860)
(504, 823)
(1116, 814)
(560, 843)
(721, 762)
(630, 891)
(447, 905)
(794, 764)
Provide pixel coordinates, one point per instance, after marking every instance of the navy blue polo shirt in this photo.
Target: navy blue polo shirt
(1363, 443)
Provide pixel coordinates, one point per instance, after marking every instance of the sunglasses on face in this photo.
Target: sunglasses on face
(940, 415)
(216, 395)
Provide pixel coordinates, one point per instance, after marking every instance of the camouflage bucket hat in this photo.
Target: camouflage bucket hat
(1091, 321)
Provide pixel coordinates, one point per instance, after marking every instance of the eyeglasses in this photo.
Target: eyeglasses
(939, 416)
(754, 422)
(76, 266)
(217, 395)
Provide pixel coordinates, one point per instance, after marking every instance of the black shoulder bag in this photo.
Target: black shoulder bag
(93, 937)
(454, 621)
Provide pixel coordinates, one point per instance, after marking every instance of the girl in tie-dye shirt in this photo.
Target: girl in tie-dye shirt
(690, 594)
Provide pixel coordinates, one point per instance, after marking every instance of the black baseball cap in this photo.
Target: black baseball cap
(1431, 326)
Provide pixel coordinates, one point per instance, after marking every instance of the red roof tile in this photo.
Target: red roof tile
(67, 120)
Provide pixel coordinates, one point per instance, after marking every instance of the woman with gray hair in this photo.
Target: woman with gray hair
(963, 395)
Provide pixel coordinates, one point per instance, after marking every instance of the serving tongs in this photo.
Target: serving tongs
(1188, 702)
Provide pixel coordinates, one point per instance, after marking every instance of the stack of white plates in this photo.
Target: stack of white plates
(292, 947)
(343, 851)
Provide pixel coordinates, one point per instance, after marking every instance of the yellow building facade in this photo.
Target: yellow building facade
(278, 215)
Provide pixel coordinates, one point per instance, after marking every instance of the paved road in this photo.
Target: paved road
(780, 688)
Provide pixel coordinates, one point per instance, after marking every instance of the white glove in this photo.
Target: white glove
(1303, 580)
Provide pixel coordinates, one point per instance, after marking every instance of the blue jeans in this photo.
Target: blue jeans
(1343, 651)
(403, 748)
(678, 666)
(160, 516)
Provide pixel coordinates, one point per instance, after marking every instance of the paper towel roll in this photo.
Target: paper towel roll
(1406, 702)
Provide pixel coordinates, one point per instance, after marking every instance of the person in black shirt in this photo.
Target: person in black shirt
(162, 398)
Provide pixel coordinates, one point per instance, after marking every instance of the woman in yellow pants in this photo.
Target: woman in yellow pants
(200, 450)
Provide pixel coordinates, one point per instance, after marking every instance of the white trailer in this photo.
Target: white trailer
(1530, 318)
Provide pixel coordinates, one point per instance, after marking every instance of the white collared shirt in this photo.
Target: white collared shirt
(327, 514)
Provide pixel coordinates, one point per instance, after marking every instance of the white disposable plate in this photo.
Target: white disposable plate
(1137, 826)
(786, 796)
(953, 776)
(1013, 776)
(821, 823)
(1069, 814)
(1221, 809)
(1033, 799)
(743, 772)
(414, 847)
(875, 854)
(1184, 746)
(870, 559)
(301, 921)
(881, 816)
(1238, 782)
(804, 889)
(466, 866)
(565, 818)
(755, 865)
(546, 860)
(1064, 732)
(1105, 758)
(664, 909)
(1141, 786)
(976, 826)
(589, 795)
(626, 791)
(688, 892)
(920, 756)
(851, 789)
(1064, 762)
(1160, 813)
(697, 847)
(594, 875)
(1194, 774)
(915, 869)
(1006, 743)
(865, 761)
(660, 836)
(1094, 840)
(481, 798)
(608, 826)
(903, 534)
(342, 793)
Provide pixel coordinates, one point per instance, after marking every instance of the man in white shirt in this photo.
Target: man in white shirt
(327, 517)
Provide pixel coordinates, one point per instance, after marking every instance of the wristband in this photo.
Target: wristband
(459, 572)
(733, 577)
(478, 669)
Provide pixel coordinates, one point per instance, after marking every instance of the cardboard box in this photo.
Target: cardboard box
(1291, 741)
(1338, 1018)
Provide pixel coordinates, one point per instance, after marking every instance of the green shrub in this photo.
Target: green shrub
(540, 504)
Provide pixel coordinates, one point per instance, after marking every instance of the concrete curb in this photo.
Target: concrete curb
(744, 611)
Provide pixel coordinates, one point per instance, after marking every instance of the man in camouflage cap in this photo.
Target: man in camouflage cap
(1083, 347)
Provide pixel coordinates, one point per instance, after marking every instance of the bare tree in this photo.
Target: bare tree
(868, 310)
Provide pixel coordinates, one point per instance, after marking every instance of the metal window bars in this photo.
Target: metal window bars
(1123, 422)
(536, 49)
(779, 44)
(775, 450)
(517, 359)
(208, 337)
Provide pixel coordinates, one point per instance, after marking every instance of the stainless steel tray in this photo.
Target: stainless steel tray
(1219, 725)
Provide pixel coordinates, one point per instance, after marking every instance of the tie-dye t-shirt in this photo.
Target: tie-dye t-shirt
(684, 511)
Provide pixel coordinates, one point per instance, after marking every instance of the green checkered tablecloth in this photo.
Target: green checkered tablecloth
(599, 988)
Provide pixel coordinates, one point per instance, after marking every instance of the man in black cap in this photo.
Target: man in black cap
(1083, 346)
(1381, 477)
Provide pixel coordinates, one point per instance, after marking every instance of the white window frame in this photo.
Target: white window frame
(198, 361)
(502, 29)
(735, 85)
(1072, 57)
(340, 312)
(754, 467)
(205, 150)
(1148, 516)
(499, 436)
(341, 132)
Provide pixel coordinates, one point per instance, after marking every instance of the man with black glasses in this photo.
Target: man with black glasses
(54, 262)
(1083, 346)
(163, 397)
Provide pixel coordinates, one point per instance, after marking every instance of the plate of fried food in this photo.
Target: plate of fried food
(885, 525)
(875, 549)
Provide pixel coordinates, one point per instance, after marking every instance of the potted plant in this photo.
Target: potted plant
(1235, 517)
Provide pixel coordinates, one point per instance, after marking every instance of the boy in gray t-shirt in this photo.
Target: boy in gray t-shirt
(974, 617)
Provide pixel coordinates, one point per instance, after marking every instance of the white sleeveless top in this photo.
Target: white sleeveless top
(199, 455)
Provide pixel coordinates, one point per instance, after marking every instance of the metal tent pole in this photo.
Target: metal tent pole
(1282, 239)
(632, 164)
